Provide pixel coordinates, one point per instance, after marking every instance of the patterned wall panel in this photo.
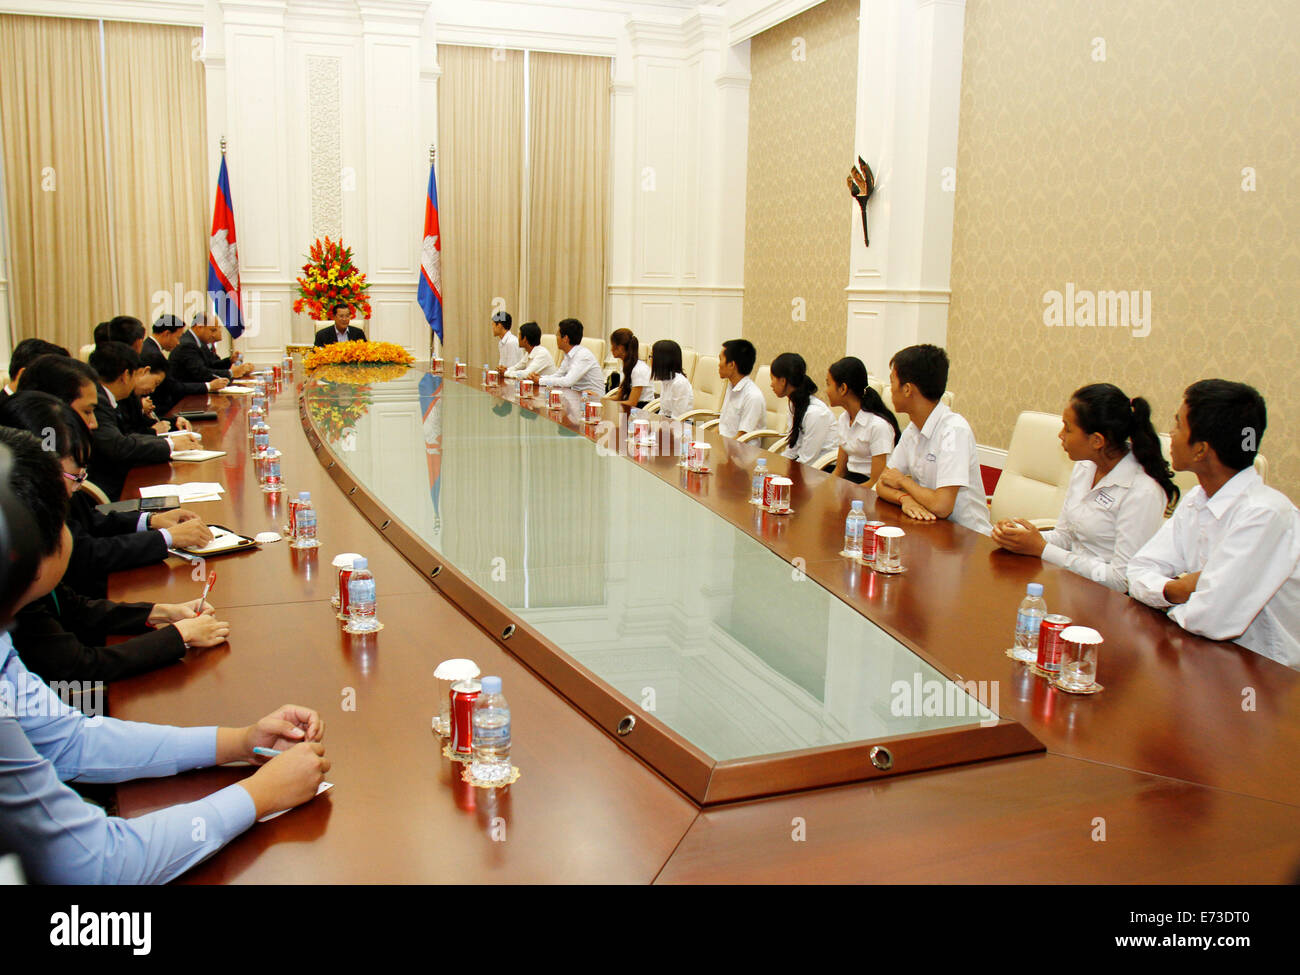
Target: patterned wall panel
(1126, 174)
(801, 120)
(324, 101)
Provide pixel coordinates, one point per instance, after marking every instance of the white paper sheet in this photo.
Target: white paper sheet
(323, 787)
(194, 456)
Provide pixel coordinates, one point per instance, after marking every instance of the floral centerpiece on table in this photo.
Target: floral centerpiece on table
(358, 354)
(328, 278)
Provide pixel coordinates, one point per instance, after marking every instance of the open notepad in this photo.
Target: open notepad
(222, 541)
(197, 454)
(187, 493)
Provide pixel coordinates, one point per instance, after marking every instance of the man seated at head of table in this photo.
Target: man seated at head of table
(115, 451)
(101, 543)
(52, 618)
(44, 742)
(193, 360)
(25, 353)
(578, 370)
(536, 358)
(1227, 564)
(934, 472)
(743, 407)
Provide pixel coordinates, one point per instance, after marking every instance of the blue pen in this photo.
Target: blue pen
(265, 752)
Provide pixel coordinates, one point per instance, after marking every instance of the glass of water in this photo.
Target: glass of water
(889, 549)
(1079, 646)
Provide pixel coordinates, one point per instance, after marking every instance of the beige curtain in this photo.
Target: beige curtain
(568, 190)
(480, 158)
(56, 188)
(156, 124)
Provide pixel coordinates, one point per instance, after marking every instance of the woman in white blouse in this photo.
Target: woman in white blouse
(868, 431)
(666, 368)
(634, 390)
(811, 431)
(1118, 492)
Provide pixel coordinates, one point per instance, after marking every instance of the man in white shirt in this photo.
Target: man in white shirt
(934, 471)
(508, 354)
(536, 359)
(579, 369)
(743, 406)
(1228, 561)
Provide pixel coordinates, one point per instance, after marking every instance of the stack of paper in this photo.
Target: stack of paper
(188, 493)
(197, 454)
(236, 389)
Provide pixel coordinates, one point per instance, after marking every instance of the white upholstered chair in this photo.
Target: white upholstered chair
(1036, 473)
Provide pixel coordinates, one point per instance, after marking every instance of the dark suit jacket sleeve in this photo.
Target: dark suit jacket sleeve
(324, 337)
(43, 638)
(171, 391)
(119, 448)
(187, 364)
(94, 557)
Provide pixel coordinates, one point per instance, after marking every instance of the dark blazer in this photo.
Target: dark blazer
(172, 390)
(193, 362)
(116, 451)
(104, 543)
(327, 335)
(131, 411)
(44, 639)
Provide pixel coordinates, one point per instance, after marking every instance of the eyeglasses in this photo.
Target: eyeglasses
(78, 478)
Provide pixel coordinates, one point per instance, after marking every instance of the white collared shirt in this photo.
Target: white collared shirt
(866, 437)
(743, 409)
(538, 360)
(641, 377)
(1102, 527)
(1245, 542)
(818, 434)
(677, 398)
(509, 353)
(942, 454)
(578, 371)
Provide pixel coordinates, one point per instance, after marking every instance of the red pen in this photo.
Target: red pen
(207, 588)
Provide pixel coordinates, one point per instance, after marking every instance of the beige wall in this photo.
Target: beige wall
(1127, 174)
(801, 118)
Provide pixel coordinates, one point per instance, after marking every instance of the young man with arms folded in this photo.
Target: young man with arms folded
(743, 407)
(62, 839)
(536, 360)
(1227, 564)
(934, 471)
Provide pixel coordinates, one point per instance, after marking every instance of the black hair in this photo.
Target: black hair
(571, 329)
(850, 372)
(665, 360)
(1228, 416)
(27, 350)
(39, 413)
(530, 332)
(925, 367)
(201, 318)
(168, 323)
(741, 354)
(111, 359)
(101, 332)
(1125, 425)
(154, 360)
(791, 367)
(631, 356)
(58, 375)
(503, 319)
(125, 329)
(36, 479)
(339, 304)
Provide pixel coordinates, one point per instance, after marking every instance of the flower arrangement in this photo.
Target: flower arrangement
(330, 277)
(337, 410)
(359, 375)
(357, 353)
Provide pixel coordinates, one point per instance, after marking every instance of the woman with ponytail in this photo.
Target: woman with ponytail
(634, 390)
(812, 424)
(867, 430)
(1118, 491)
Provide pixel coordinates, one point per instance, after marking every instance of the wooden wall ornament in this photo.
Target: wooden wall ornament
(862, 183)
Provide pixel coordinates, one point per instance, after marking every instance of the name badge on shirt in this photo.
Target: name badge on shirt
(931, 458)
(1104, 500)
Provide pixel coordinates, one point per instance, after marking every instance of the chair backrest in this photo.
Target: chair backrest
(1186, 480)
(1036, 473)
(597, 347)
(548, 343)
(707, 384)
(777, 411)
(689, 360)
(84, 352)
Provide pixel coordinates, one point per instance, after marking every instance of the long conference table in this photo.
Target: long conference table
(585, 577)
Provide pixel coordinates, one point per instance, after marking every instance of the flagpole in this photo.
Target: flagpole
(433, 336)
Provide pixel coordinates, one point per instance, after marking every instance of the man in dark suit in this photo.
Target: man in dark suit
(167, 332)
(193, 360)
(114, 451)
(24, 352)
(341, 330)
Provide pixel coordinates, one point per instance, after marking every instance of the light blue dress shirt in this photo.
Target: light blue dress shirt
(63, 839)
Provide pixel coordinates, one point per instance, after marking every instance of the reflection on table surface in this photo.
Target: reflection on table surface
(668, 603)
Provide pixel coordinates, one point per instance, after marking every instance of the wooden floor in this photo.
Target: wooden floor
(1162, 778)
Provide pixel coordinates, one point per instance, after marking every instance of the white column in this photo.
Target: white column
(909, 90)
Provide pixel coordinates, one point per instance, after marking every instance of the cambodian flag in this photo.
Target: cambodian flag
(431, 421)
(431, 260)
(223, 259)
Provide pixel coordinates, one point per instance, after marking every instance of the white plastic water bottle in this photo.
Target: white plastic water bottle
(1029, 617)
(854, 526)
(491, 725)
(361, 597)
(304, 523)
(684, 445)
(760, 471)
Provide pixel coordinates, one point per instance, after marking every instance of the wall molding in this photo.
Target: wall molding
(762, 15)
(917, 296)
